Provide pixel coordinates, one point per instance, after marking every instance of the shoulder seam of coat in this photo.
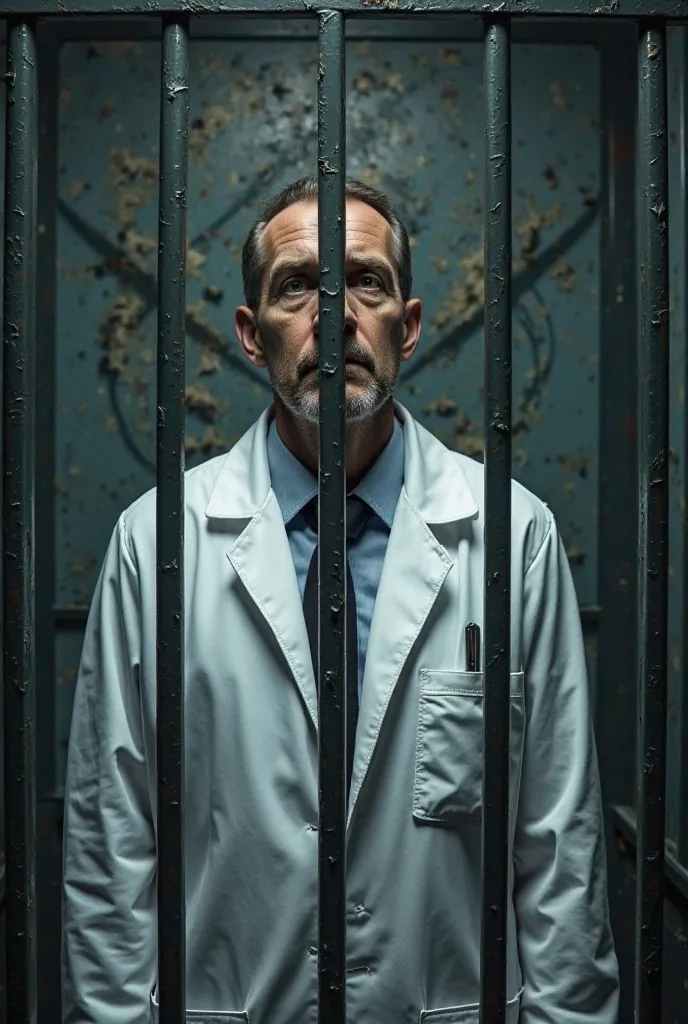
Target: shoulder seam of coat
(551, 527)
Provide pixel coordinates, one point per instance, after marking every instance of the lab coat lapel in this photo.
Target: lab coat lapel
(262, 558)
(416, 564)
(259, 552)
(413, 572)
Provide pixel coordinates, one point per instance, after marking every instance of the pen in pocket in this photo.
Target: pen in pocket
(472, 647)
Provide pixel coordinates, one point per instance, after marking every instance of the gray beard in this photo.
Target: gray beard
(302, 400)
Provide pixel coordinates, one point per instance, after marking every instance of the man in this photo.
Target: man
(416, 515)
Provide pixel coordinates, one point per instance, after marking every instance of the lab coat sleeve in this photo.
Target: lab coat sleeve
(570, 972)
(109, 937)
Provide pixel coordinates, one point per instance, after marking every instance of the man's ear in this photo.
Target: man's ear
(246, 326)
(413, 324)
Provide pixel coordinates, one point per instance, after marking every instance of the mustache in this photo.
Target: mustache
(348, 357)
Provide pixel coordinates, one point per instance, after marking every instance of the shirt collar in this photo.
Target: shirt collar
(294, 485)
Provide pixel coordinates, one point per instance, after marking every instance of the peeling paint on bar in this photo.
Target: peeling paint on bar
(332, 517)
(665, 9)
(19, 676)
(682, 838)
(653, 503)
(170, 464)
(496, 703)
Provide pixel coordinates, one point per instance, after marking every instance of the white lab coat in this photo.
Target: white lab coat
(413, 829)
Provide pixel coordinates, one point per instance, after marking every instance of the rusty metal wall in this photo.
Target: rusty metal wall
(415, 128)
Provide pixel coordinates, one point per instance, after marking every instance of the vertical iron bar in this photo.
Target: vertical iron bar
(18, 521)
(331, 522)
(497, 541)
(48, 832)
(653, 501)
(174, 120)
(618, 475)
(682, 839)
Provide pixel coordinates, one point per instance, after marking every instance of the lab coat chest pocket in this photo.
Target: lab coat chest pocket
(469, 1014)
(199, 1016)
(449, 744)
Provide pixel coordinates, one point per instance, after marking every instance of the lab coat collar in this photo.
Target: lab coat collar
(434, 482)
(294, 484)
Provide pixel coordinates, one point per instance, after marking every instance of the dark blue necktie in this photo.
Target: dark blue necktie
(357, 514)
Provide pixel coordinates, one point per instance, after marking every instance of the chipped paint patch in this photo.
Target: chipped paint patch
(556, 95)
(204, 129)
(201, 401)
(210, 440)
(564, 274)
(119, 326)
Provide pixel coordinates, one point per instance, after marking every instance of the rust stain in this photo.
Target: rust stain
(623, 148)
(215, 120)
(576, 464)
(576, 555)
(447, 58)
(118, 328)
(78, 188)
(467, 293)
(209, 361)
(365, 83)
(208, 441)
(564, 274)
(107, 109)
(202, 401)
(556, 95)
(213, 294)
(529, 226)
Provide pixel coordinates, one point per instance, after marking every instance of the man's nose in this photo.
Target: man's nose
(350, 318)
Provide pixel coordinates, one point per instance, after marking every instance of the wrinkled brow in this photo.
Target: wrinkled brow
(296, 264)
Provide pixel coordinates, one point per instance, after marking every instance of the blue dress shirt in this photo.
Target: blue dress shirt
(294, 485)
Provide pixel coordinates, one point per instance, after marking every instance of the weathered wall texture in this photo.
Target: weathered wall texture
(415, 129)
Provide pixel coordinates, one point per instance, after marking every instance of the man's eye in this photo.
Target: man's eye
(293, 285)
(369, 281)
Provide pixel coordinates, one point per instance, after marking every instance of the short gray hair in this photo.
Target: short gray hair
(253, 259)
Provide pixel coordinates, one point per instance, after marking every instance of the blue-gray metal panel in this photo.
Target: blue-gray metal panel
(414, 130)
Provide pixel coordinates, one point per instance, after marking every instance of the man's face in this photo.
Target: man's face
(380, 330)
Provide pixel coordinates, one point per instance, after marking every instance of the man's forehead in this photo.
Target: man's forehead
(295, 231)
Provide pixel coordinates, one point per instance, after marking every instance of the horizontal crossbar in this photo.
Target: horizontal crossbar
(669, 10)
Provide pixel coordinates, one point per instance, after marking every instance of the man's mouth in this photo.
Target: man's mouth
(349, 362)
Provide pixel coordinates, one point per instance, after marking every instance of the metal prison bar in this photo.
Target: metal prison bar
(18, 492)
